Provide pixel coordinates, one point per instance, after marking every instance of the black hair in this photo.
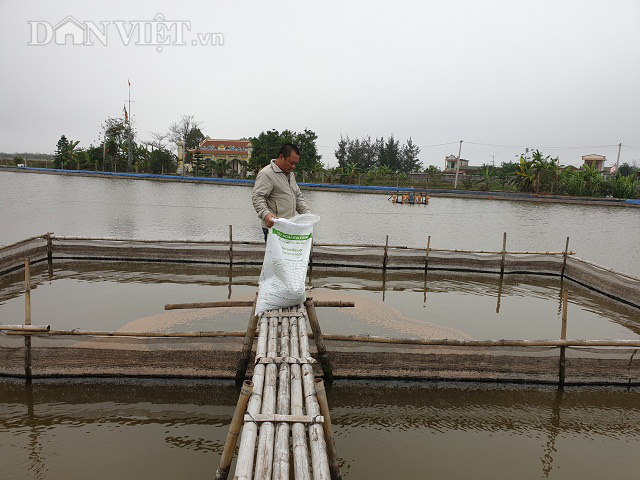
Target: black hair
(287, 149)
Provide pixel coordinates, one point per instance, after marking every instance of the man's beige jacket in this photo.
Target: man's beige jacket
(278, 193)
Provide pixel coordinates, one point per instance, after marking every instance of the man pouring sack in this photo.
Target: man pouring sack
(281, 206)
(276, 193)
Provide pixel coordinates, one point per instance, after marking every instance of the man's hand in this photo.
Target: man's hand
(268, 219)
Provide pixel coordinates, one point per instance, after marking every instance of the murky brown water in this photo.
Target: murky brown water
(165, 430)
(151, 429)
(32, 204)
(130, 296)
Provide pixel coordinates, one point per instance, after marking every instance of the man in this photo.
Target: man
(276, 193)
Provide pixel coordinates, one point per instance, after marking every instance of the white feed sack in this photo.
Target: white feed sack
(284, 270)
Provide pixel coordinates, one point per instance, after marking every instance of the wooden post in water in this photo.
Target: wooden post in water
(426, 257)
(334, 466)
(317, 337)
(386, 254)
(499, 293)
(27, 317)
(504, 252)
(246, 346)
(234, 430)
(564, 260)
(563, 336)
(230, 244)
(49, 250)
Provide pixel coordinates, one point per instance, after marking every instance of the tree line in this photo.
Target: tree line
(360, 160)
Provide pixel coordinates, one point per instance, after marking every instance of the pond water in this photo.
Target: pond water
(167, 429)
(131, 296)
(33, 204)
(105, 429)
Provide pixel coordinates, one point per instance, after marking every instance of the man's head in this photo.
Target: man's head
(288, 157)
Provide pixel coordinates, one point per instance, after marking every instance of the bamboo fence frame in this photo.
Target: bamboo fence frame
(444, 342)
(386, 246)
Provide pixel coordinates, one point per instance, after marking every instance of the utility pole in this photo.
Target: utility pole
(455, 183)
(493, 160)
(618, 160)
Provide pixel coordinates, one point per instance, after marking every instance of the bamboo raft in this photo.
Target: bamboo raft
(283, 409)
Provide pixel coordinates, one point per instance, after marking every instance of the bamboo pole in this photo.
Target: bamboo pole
(27, 291)
(386, 254)
(281, 465)
(317, 336)
(563, 336)
(564, 259)
(25, 328)
(230, 244)
(49, 251)
(317, 444)
(448, 342)
(27, 317)
(234, 430)
(264, 455)
(109, 333)
(248, 303)
(247, 345)
(426, 255)
(504, 252)
(301, 466)
(499, 294)
(246, 452)
(351, 338)
(321, 395)
(26, 240)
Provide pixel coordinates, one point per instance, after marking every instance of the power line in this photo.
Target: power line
(548, 148)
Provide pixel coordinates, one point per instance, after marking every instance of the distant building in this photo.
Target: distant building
(451, 160)
(238, 152)
(595, 160)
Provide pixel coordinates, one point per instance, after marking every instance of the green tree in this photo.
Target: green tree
(60, 156)
(487, 174)
(409, 161)
(431, 172)
(221, 166)
(198, 161)
(162, 160)
(267, 144)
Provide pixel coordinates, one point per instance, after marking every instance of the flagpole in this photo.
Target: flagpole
(129, 126)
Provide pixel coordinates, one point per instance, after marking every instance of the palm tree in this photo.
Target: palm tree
(221, 166)
(527, 175)
(71, 151)
(487, 173)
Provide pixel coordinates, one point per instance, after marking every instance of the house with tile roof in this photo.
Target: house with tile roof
(237, 152)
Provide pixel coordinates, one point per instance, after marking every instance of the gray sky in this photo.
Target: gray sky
(528, 73)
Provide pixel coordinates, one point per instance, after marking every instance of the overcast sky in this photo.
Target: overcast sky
(542, 74)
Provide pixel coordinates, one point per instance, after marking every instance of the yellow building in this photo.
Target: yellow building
(237, 152)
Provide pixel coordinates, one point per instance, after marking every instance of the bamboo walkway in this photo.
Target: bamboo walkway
(283, 410)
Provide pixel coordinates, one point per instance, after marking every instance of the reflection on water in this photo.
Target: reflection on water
(112, 295)
(176, 429)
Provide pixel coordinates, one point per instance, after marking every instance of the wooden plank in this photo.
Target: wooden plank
(274, 417)
(286, 360)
